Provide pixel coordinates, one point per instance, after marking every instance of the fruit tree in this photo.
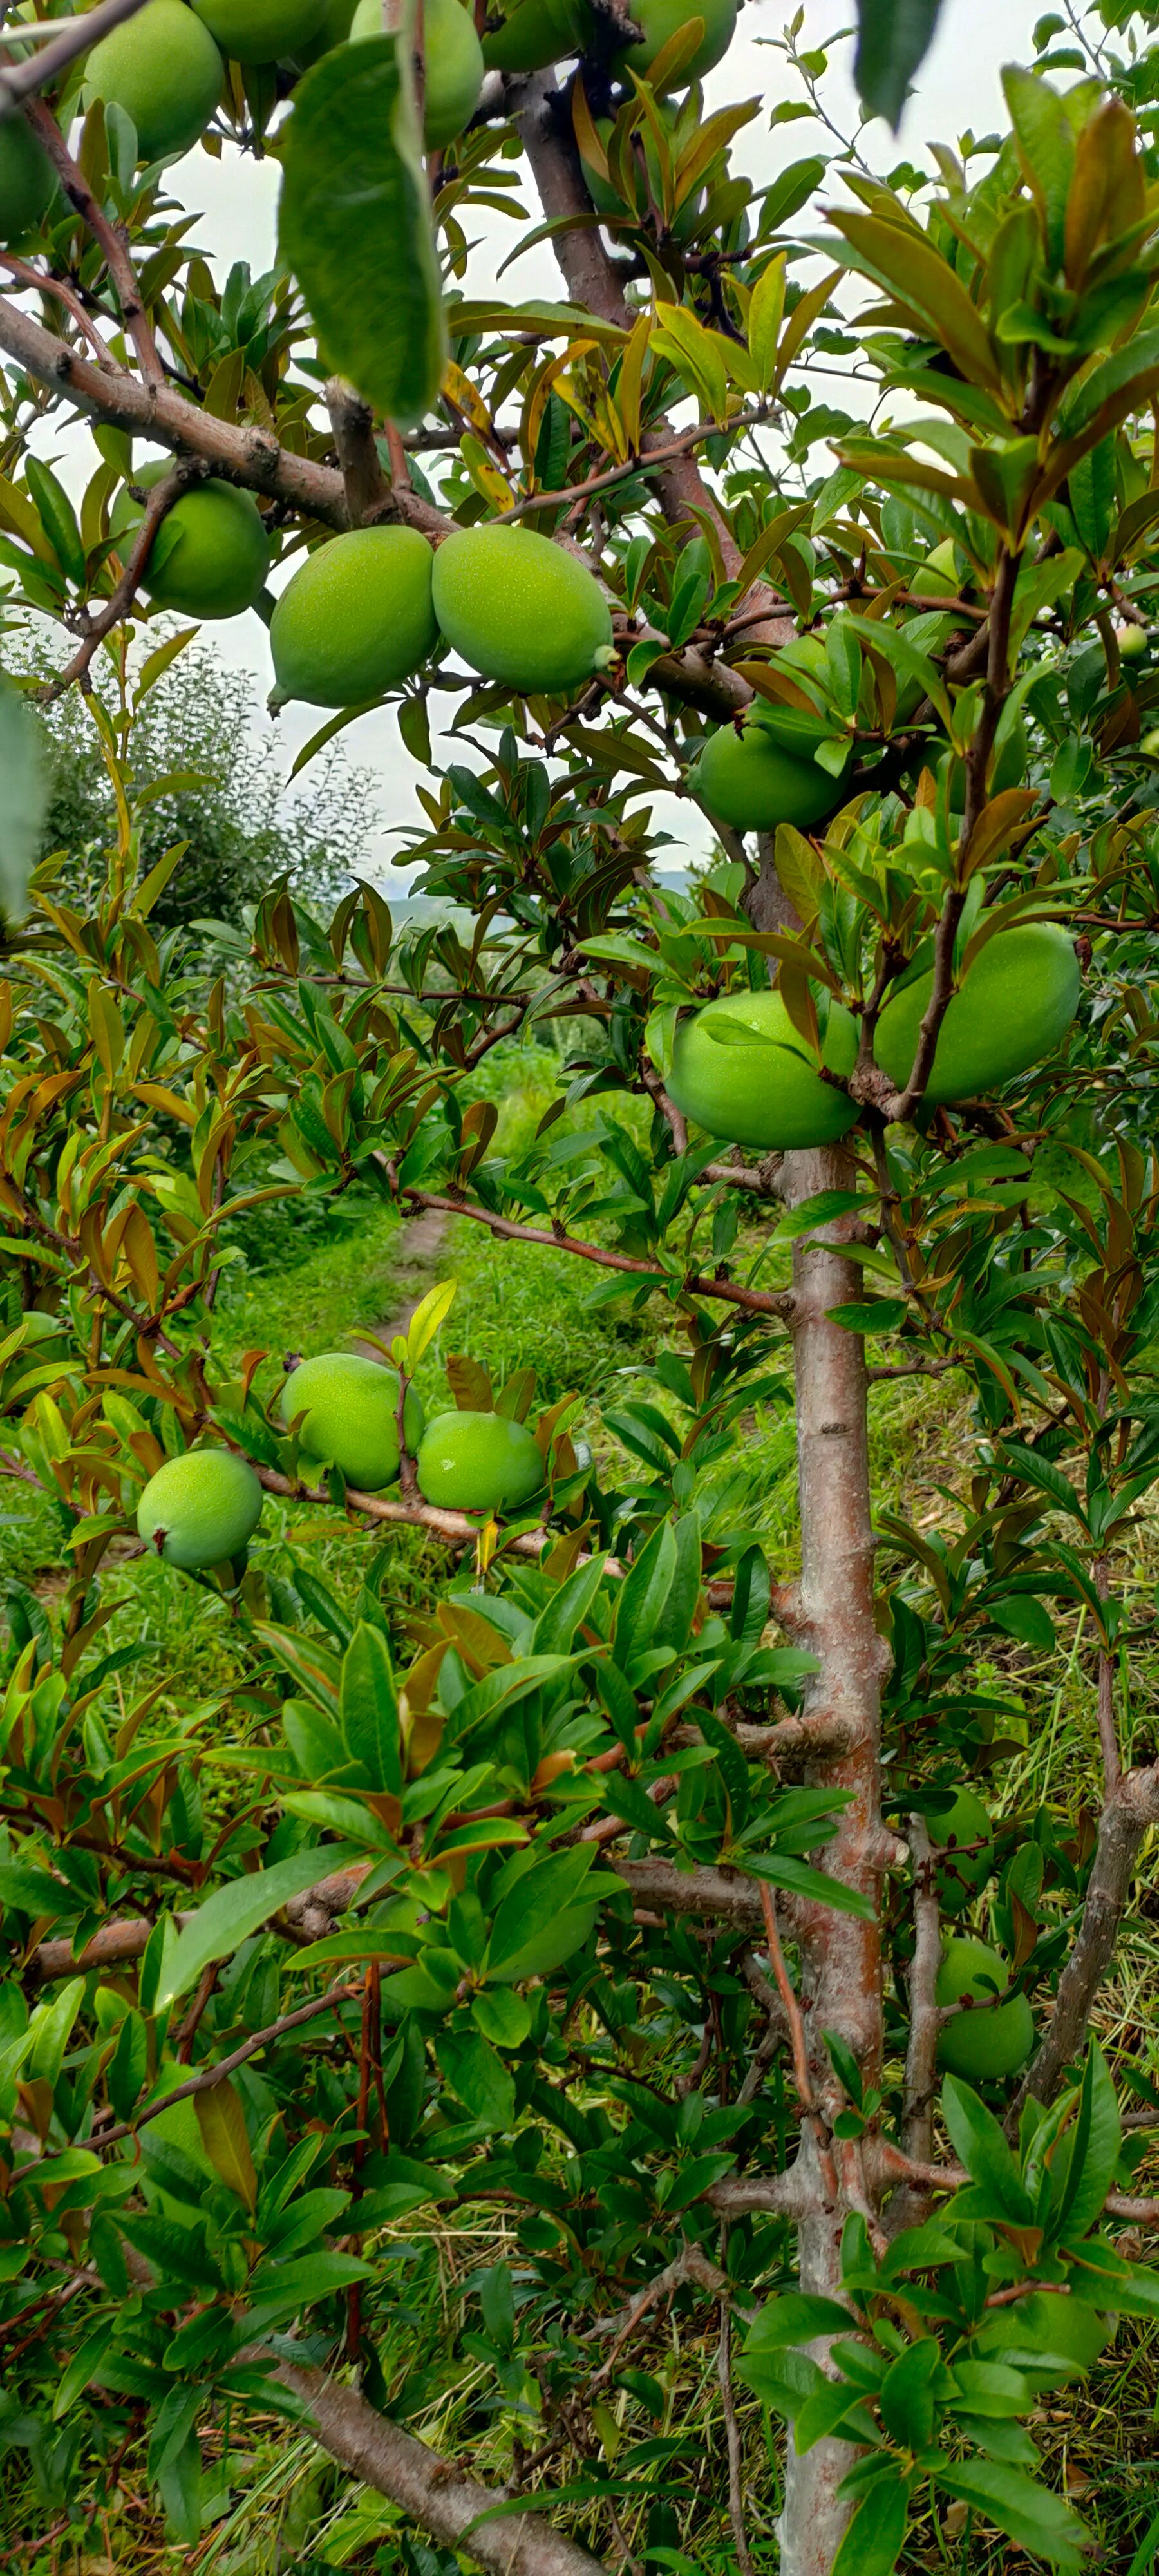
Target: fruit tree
(504, 1831)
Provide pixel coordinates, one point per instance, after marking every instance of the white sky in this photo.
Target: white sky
(237, 201)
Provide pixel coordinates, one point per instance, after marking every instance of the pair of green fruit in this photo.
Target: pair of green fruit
(537, 33)
(742, 1072)
(367, 609)
(346, 1410)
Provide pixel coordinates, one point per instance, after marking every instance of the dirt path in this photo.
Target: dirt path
(422, 1244)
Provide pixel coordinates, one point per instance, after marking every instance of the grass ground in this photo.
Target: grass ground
(287, 2509)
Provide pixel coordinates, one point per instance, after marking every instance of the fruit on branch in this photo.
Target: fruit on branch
(1133, 642)
(741, 1070)
(261, 31)
(745, 775)
(27, 179)
(210, 556)
(1045, 2322)
(1016, 1002)
(164, 69)
(201, 1509)
(453, 64)
(521, 610)
(356, 619)
(993, 2039)
(1008, 769)
(337, 18)
(663, 19)
(350, 1406)
(478, 1462)
(938, 577)
(963, 1833)
(537, 33)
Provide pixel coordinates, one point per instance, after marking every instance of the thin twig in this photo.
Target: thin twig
(111, 238)
(76, 36)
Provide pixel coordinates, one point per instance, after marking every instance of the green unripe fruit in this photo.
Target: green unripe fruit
(956, 1831)
(1016, 1003)
(337, 20)
(938, 577)
(478, 1462)
(201, 1509)
(27, 180)
(995, 2039)
(1046, 2322)
(1150, 744)
(351, 1409)
(452, 64)
(164, 69)
(521, 611)
(356, 619)
(1009, 769)
(537, 33)
(260, 31)
(768, 1093)
(749, 779)
(211, 554)
(660, 20)
(1133, 642)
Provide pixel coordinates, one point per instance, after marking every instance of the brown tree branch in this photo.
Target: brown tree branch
(753, 1301)
(26, 275)
(112, 239)
(368, 493)
(159, 501)
(1122, 1827)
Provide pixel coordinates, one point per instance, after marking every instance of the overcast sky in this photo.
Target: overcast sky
(236, 199)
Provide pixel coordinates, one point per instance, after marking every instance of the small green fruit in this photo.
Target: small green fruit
(750, 780)
(1150, 743)
(766, 1093)
(201, 1509)
(1048, 2323)
(991, 2041)
(211, 554)
(478, 1462)
(521, 610)
(337, 20)
(1133, 642)
(27, 180)
(964, 1833)
(538, 32)
(938, 577)
(260, 31)
(1018, 1000)
(661, 19)
(356, 619)
(164, 69)
(351, 1409)
(452, 64)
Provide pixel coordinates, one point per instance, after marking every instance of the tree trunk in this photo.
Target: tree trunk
(841, 1957)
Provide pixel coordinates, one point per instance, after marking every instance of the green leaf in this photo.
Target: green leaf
(221, 2120)
(1095, 2154)
(979, 2144)
(354, 225)
(1036, 2519)
(526, 1915)
(25, 801)
(35, 1892)
(228, 1917)
(893, 36)
(872, 2544)
(369, 1707)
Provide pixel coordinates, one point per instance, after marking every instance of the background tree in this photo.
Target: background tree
(596, 1872)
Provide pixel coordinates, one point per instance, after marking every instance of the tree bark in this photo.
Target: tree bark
(841, 1956)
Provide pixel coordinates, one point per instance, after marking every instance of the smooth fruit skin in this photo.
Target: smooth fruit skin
(1017, 1002)
(337, 19)
(27, 180)
(769, 1096)
(351, 1409)
(261, 31)
(478, 1462)
(201, 1509)
(537, 33)
(452, 64)
(1133, 642)
(660, 19)
(164, 69)
(217, 553)
(954, 1832)
(520, 610)
(1046, 2323)
(749, 780)
(356, 619)
(992, 2042)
